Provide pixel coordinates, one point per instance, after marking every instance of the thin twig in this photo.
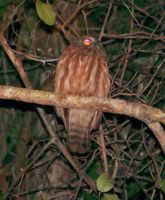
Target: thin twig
(102, 148)
(105, 20)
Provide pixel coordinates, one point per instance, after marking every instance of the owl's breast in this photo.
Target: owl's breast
(82, 71)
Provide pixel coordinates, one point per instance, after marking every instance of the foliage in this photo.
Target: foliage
(133, 39)
(45, 12)
(103, 183)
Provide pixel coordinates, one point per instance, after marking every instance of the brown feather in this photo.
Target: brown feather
(81, 71)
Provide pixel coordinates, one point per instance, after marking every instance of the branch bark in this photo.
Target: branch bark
(149, 115)
(143, 112)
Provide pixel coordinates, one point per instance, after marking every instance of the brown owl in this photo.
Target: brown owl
(82, 70)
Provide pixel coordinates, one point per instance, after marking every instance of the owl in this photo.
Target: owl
(82, 70)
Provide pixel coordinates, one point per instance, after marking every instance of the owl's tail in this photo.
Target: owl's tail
(80, 124)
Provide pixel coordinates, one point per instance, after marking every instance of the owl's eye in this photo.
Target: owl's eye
(87, 42)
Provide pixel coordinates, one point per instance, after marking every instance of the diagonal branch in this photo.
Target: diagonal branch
(19, 67)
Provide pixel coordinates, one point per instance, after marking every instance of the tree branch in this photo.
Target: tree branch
(143, 112)
(149, 115)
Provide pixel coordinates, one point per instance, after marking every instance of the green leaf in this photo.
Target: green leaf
(92, 171)
(46, 13)
(103, 183)
(162, 185)
(89, 196)
(110, 197)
